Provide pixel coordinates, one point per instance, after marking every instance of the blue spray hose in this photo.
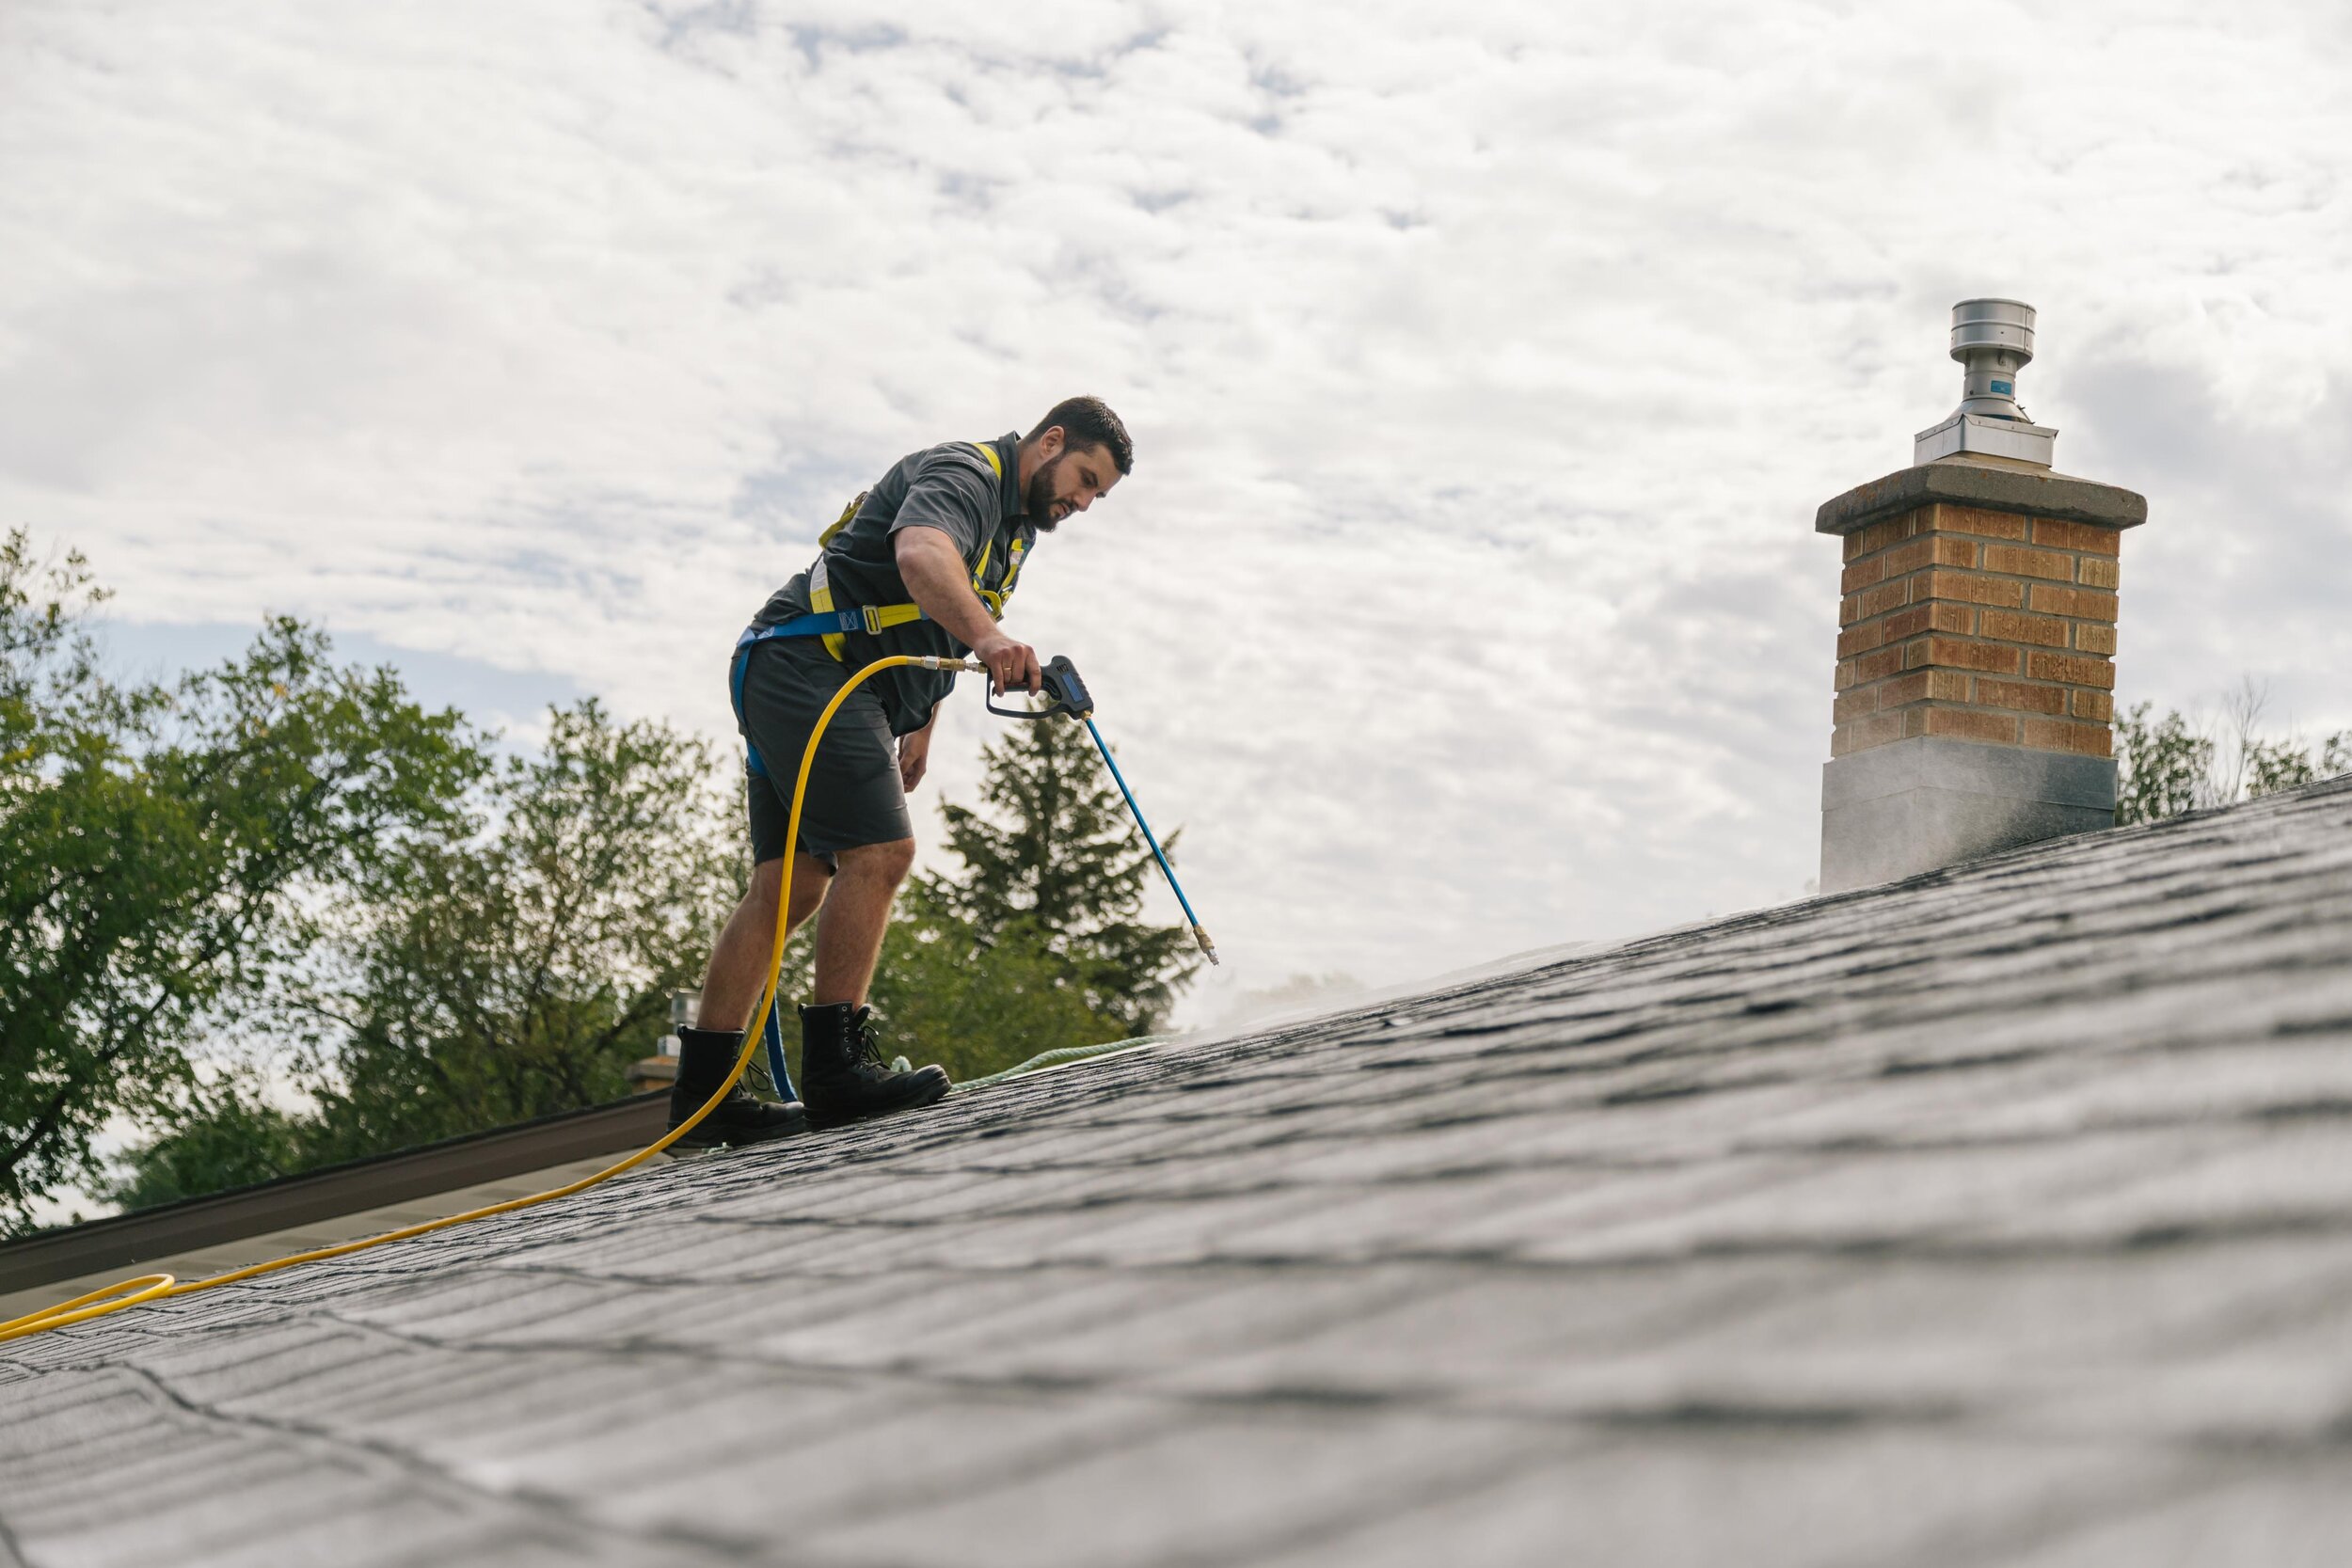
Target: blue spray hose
(773, 1033)
(1133, 810)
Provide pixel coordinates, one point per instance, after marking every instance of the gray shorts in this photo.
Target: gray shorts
(854, 797)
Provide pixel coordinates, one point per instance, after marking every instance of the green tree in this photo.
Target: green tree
(977, 1006)
(511, 967)
(518, 971)
(2177, 764)
(1051, 857)
(974, 1007)
(227, 1135)
(163, 850)
(2162, 766)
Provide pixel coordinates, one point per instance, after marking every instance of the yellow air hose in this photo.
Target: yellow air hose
(159, 1287)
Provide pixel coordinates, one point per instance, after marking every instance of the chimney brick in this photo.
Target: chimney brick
(1999, 729)
(2075, 670)
(1958, 653)
(2059, 735)
(2019, 562)
(2025, 696)
(2094, 638)
(2009, 626)
(1968, 588)
(1972, 519)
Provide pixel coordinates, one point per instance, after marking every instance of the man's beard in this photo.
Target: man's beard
(1040, 497)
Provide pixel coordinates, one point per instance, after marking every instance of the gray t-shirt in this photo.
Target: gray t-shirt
(949, 488)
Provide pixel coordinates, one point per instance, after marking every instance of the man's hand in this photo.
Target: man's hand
(914, 757)
(1009, 663)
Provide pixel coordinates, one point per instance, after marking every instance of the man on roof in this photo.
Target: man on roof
(927, 558)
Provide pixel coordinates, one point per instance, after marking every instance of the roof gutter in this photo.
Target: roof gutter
(126, 1240)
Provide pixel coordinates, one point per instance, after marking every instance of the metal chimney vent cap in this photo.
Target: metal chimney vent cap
(1993, 324)
(1992, 339)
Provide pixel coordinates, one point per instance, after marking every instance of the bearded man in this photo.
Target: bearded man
(922, 563)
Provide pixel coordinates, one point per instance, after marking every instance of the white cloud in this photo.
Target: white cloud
(1486, 368)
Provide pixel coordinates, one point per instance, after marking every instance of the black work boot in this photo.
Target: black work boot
(704, 1057)
(842, 1070)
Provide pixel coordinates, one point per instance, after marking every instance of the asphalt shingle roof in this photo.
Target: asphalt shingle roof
(2000, 1216)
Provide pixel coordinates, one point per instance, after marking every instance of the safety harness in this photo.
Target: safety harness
(833, 621)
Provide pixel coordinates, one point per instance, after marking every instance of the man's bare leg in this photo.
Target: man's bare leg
(842, 1078)
(738, 962)
(857, 915)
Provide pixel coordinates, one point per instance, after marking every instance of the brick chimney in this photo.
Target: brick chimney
(1976, 634)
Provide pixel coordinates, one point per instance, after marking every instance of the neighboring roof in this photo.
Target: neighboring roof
(1999, 1217)
(317, 1208)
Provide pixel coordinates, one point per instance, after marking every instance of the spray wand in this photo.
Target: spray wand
(1067, 695)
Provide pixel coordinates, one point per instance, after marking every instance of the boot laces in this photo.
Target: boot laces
(865, 1043)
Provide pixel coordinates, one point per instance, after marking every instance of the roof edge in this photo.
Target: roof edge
(121, 1240)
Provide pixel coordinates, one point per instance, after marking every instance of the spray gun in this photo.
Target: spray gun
(1066, 696)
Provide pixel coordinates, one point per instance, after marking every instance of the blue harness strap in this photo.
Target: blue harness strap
(831, 622)
(736, 671)
(821, 625)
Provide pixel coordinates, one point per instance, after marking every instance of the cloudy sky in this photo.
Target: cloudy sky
(1486, 365)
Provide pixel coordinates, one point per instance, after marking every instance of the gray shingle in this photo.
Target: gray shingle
(2004, 1215)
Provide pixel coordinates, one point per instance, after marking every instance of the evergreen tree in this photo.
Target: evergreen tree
(1052, 859)
(977, 1006)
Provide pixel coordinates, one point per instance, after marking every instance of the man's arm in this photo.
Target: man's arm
(933, 571)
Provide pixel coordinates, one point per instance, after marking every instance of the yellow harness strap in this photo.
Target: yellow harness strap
(882, 617)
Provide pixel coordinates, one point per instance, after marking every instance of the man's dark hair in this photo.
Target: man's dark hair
(1090, 422)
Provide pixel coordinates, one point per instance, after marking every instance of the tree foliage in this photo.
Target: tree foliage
(2163, 767)
(162, 851)
(518, 971)
(977, 1006)
(2177, 763)
(228, 1134)
(510, 968)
